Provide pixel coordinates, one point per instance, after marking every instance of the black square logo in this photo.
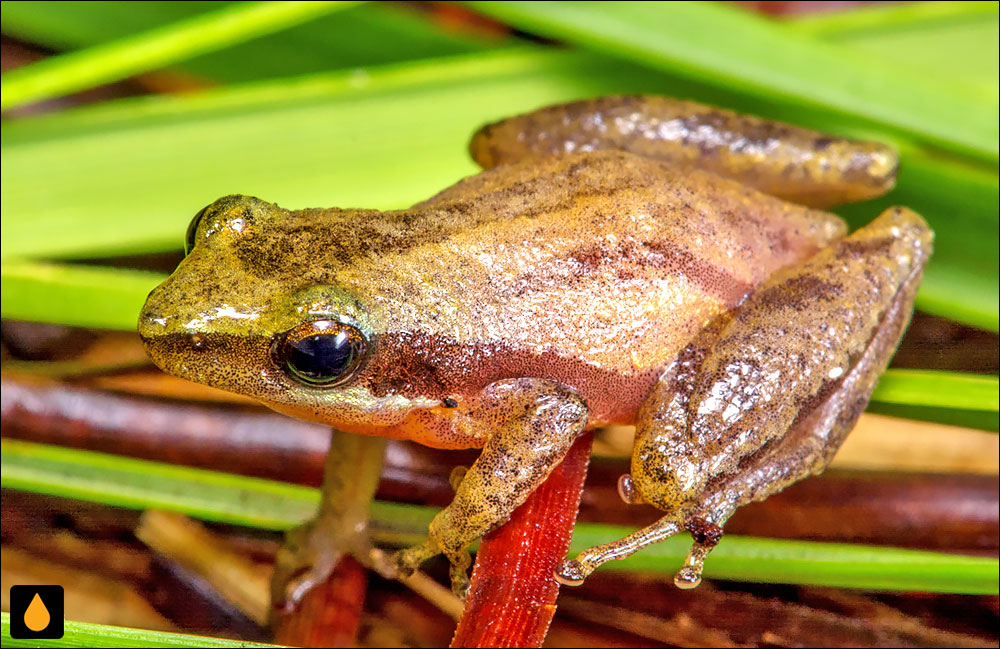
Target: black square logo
(36, 612)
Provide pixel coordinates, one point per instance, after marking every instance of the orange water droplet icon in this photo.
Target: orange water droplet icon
(36, 617)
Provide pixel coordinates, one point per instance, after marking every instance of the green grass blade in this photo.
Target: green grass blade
(721, 44)
(366, 34)
(961, 204)
(956, 41)
(939, 389)
(128, 482)
(85, 634)
(141, 484)
(887, 18)
(381, 138)
(79, 296)
(986, 420)
(152, 50)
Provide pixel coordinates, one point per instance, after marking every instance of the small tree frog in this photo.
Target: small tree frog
(622, 260)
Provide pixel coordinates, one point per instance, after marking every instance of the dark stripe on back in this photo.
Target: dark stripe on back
(711, 279)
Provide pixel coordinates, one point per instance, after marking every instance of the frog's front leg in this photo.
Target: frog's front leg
(531, 425)
(312, 550)
(772, 398)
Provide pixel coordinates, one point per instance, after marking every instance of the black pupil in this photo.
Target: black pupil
(320, 358)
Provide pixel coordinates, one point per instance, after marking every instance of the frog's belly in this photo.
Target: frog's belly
(609, 342)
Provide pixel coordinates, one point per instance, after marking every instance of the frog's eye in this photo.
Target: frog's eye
(192, 231)
(321, 353)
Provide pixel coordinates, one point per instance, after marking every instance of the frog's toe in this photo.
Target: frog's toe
(628, 491)
(706, 536)
(460, 575)
(404, 563)
(289, 586)
(688, 578)
(573, 572)
(570, 573)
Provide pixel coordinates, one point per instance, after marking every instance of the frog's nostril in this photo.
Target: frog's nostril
(149, 326)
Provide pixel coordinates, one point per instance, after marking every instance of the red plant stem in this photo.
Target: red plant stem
(328, 615)
(513, 595)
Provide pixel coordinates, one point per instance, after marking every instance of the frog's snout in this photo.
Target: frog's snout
(170, 351)
(158, 330)
(152, 321)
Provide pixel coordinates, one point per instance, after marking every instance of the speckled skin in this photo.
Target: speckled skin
(552, 293)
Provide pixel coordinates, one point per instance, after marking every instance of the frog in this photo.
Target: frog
(633, 260)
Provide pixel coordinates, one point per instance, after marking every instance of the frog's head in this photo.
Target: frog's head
(254, 309)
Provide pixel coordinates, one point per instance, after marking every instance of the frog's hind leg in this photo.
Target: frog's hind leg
(531, 425)
(783, 160)
(772, 398)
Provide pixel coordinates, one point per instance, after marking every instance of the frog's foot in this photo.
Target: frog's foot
(706, 535)
(309, 555)
(404, 563)
(459, 573)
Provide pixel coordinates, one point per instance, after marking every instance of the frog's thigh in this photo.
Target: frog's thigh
(531, 423)
(779, 389)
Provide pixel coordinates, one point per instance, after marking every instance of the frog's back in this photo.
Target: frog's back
(594, 269)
